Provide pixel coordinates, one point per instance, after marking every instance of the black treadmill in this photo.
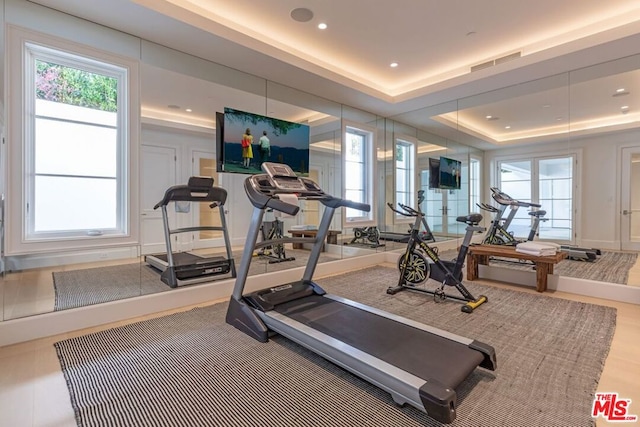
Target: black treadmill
(185, 268)
(417, 364)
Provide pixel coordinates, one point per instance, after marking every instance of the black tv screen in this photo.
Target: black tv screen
(288, 143)
(219, 142)
(434, 173)
(450, 173)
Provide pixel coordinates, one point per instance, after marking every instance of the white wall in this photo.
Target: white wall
(598, 183)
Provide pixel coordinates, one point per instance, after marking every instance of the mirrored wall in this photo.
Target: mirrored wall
(568, 142)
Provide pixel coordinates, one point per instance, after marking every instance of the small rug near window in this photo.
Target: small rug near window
(192, 369)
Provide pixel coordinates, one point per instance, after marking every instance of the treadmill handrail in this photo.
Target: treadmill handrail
(262, 195)
(185, 193)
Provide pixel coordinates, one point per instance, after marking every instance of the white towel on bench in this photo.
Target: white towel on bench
(538, 248)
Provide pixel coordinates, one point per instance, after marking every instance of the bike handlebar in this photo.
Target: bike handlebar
(505, 199)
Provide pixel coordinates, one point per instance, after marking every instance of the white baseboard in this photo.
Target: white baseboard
(572, 285)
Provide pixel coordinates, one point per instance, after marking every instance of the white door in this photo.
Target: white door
(204, 164)
(310, 209)
(630, 199)
(158, 174)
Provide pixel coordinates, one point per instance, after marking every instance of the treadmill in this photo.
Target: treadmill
(185, 268)
(417, 364)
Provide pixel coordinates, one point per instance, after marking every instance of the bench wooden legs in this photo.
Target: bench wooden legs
(472, 265)
(543, 269)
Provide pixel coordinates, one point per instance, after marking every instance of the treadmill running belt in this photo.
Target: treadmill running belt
(421, 353)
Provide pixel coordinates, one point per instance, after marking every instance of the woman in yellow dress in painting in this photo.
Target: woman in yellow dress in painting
(247, 151)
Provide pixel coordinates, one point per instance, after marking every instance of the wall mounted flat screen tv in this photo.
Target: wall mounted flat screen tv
(434, 173)
(450, 173)
(288, 143)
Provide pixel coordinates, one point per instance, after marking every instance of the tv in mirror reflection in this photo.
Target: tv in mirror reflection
(241, 147)
(450, 173)
(444, 173)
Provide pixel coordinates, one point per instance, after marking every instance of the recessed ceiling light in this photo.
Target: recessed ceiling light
(188, 110)
(393, 64)
(322, 26)
(559, 119)
(507, 127)
(620, 90)
(301, 14)
(624, 107)
(488, 117)
(546, 106)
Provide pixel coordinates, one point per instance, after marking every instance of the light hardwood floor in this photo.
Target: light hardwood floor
(33, 391)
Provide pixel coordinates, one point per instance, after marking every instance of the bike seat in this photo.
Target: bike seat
(538, 214)
(471, 219)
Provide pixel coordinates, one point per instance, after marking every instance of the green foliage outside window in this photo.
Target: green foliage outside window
(81, 88)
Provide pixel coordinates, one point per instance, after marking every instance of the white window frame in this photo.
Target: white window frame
(365, 219)
(405, 141)
(22, 45)
(475, 183)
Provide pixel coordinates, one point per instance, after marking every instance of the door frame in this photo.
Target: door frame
(626, 240)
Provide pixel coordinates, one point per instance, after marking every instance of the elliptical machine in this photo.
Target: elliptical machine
(415, 269)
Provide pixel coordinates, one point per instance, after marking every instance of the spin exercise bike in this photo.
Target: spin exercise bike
(416, 269)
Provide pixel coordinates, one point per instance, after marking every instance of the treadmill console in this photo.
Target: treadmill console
(284, 178)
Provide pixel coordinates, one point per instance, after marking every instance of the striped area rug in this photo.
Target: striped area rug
(192, 369)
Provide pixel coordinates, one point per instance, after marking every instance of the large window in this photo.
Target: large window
(74, 149)
(358, 150)
(72, 141)
(405, 166)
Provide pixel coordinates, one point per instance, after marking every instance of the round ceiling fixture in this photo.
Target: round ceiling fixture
(301, 14)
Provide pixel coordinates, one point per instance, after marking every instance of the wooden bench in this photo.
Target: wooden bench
(332, 236)
(479, 254)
